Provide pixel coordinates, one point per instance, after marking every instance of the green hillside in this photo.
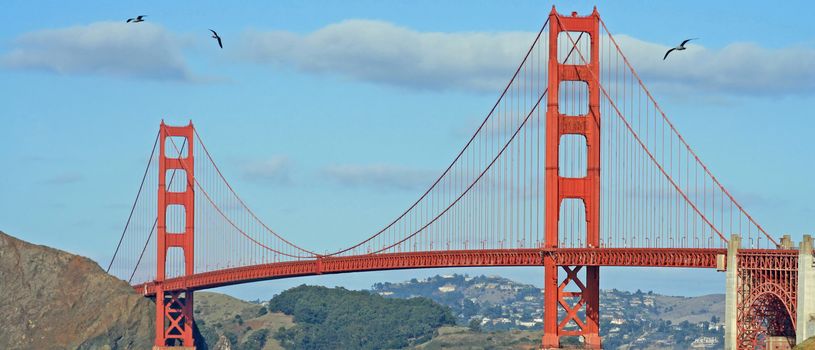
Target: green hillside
(223, 319)
(336, 318)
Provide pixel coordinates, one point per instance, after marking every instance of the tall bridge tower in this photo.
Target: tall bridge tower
(174, 316)
(583, 293)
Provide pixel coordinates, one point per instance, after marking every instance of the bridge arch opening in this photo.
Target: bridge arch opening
(573, 99)
(569, 42)
(175, 262)
(573, 156)
(176, 219)
(176, 147)
(572, 223)
(176, 180)
(769, 323)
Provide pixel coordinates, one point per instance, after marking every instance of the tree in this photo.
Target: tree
(468, 308)
(206, 335)
(256, 340)
(232, 337)
(285, 337)
(475, 325)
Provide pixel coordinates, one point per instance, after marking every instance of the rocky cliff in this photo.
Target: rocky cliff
(50, 299)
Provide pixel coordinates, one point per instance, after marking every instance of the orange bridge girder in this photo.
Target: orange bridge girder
(642, 257)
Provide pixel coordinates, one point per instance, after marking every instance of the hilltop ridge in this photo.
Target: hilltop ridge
(52, 299)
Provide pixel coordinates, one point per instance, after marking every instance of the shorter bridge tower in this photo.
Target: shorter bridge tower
(174, 315)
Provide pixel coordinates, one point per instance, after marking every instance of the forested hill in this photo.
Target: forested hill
(337, 318)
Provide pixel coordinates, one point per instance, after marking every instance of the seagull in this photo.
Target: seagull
(678, 48)
(215, 36)
(137, 19)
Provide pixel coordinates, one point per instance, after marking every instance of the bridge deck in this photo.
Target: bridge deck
(655, 257)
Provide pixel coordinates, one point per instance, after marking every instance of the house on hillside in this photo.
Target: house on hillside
(447, 288)
(525, 323)
(704, 343)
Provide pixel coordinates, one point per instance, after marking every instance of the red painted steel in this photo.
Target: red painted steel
(559, 188)
(766, 295)
(174, 317)
(642, 257)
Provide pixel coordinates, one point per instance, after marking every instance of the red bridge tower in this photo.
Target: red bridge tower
(558, 188)
(174, 317)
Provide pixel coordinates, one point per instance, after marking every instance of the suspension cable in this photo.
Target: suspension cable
(155, 222)
(651, 156)
(135, 201)
(194, 182)
(218, 170)
(458, 156)
(462, 151)
(481, 175)
(687, 146)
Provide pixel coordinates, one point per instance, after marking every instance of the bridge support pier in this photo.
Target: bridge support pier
(731, 331)
(174, 314)
(805, 317)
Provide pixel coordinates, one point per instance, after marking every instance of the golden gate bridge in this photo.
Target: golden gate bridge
(574, 167)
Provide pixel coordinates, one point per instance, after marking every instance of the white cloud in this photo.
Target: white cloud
(142, 50)
(382, 52)
(275, 170)
(738, 68)
(379, 176)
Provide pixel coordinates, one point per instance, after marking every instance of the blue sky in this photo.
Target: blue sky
(83, 96)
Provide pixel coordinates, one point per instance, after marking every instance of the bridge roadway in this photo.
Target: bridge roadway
(650, 257)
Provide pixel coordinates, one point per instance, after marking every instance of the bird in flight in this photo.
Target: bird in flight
(137, 19)
(678, 48)
(215, 36)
